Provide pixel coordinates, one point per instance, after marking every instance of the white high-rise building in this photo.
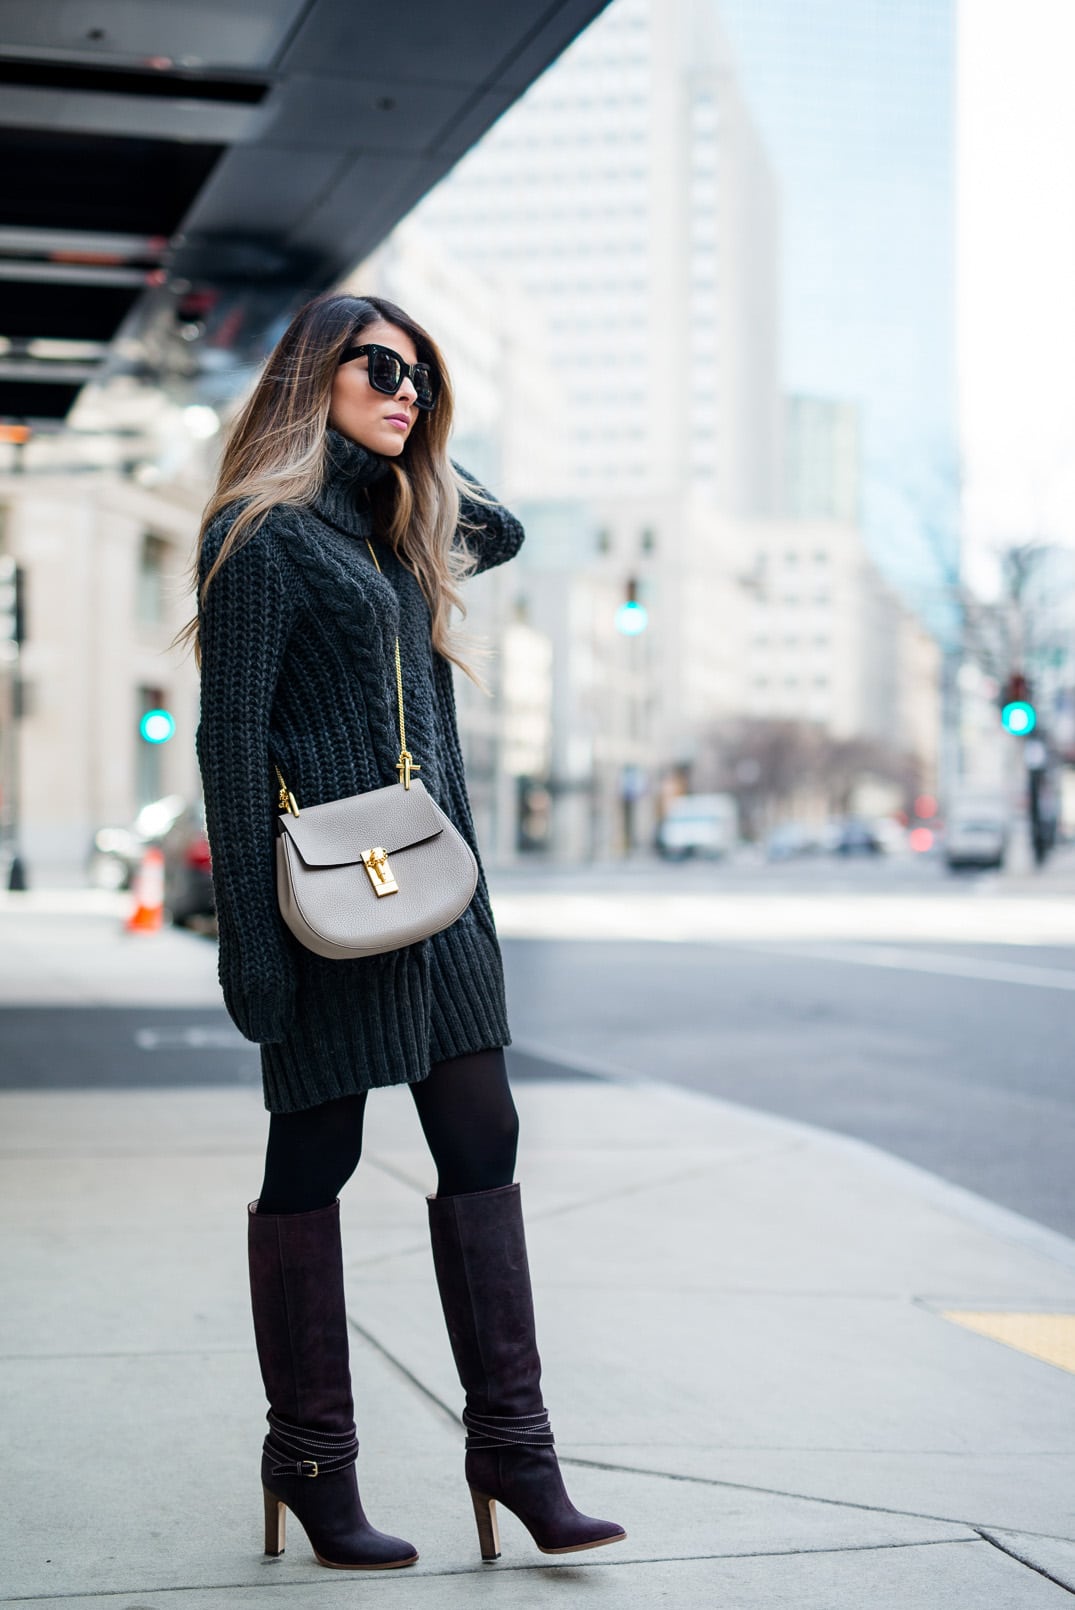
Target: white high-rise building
(627, 194)
(627, 200)
(824, 640)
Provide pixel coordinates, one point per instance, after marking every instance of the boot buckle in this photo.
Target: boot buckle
(308, 1467)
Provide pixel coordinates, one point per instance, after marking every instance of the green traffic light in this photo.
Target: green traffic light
(157, 726)
(631, 618)
(1019, 717)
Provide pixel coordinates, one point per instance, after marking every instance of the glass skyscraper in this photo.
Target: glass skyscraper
(855, 104)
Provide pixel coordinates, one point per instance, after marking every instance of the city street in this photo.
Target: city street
(638, 428)
(884, 1000)
(911, 1444)
(930, 1015)
(800, 1371)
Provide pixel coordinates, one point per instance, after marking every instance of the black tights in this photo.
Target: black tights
(467, 1115)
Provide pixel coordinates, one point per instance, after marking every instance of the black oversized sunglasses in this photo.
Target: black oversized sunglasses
(386, 371)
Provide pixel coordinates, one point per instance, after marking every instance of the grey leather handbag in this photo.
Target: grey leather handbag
(374, 872)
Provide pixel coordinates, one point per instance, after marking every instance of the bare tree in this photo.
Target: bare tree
(845, 762)
(765, 764)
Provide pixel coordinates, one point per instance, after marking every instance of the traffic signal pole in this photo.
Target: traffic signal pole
(1019, 719)
(14, 866)
(1018, 859)
(11, 636)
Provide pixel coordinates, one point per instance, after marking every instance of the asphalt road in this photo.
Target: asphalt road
(130, 1048)
(952, 1053)
(972, 1077)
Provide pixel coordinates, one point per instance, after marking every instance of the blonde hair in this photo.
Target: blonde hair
(275, 453)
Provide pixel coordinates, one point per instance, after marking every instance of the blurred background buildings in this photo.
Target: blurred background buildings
(855, 101)
(696, 286)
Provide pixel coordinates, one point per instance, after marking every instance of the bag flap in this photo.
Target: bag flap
(335, 834)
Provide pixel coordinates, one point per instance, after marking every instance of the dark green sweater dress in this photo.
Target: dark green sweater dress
(298, 670)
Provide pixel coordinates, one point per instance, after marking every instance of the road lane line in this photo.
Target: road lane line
(774, 918)
(915, 961)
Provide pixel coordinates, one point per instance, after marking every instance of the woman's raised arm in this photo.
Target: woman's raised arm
(496, 536)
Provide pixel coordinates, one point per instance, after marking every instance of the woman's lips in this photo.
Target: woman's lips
(399, 420)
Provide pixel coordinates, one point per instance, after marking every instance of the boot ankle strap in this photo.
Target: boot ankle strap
(309, 1453)
(507, 1430)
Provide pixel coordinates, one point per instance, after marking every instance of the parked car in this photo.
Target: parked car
(178, 827)
(976, 831)
(892, 835)
(116, 852)
(791, 839)
(857, 836)
(188, 867)
(699, 824)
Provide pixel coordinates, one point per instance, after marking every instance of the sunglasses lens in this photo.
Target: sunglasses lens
(384, 371)
(424, 385)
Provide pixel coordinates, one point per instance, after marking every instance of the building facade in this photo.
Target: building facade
(628, 197)
(627, 201)
(826, 640)
(107, 587)
(822, 459)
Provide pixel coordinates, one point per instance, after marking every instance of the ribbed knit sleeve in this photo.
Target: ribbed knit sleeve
(500, 536)
(245, 622)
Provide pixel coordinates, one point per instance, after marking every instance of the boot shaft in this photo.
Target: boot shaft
(479, 1252)
(300, 1317)
(483, 1276)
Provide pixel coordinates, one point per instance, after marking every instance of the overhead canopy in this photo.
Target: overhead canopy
(175, 175)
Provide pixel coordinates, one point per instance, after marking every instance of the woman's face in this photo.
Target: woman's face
(369, 417)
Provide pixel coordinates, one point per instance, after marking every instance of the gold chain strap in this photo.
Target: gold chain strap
(404, 765)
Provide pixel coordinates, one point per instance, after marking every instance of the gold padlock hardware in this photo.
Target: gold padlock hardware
(380, 873)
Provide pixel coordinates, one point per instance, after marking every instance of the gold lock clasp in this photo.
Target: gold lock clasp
(381, 875)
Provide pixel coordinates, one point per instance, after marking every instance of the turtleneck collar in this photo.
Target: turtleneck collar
(349, 469)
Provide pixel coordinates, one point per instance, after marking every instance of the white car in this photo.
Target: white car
(976, 831)
(699, 824)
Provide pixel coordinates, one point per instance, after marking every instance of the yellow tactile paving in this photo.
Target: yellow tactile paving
(1050, 1337)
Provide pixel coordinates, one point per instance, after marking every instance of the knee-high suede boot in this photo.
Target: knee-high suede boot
(479, 1251)
(300, 1325)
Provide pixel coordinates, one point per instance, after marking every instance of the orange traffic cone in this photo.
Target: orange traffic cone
(147, 915)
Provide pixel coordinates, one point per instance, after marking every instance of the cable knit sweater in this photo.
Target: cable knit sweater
(297, 640)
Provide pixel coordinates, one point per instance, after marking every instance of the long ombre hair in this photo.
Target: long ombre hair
(275, 453)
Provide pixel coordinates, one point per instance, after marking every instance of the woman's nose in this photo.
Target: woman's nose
(407, 391)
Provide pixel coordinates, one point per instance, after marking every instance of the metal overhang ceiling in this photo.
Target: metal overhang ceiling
(169, 165)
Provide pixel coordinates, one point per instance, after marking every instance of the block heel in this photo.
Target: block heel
(488, 1528)
(275, 1522)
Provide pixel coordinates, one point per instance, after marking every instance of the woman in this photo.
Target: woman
(338, 459)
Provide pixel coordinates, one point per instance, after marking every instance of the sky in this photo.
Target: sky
(1016, 272)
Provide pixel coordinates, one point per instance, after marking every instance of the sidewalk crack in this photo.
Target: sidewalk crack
(1013, 1554)
(450, 1415)
(783, 1492)
(408, 1375)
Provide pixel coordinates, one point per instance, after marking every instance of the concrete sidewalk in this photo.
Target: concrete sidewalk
(747, 1361)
